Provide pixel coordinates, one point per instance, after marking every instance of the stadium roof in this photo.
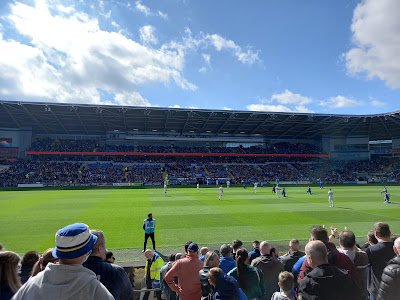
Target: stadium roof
(58, 118)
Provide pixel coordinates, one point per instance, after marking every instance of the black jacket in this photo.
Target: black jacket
(327, 282)
(290, 259)
(379, 255)
(207, 290)
(112, 276)
(389, 288)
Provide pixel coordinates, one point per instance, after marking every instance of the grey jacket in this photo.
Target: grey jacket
(63, 282)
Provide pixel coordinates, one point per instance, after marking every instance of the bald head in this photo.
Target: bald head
(396, 246)
(317, 254)
(148, 253)
(265, 248)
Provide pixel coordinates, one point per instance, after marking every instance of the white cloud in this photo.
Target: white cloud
(246, 57)
(115, 24)
(179, 106)
(142, 8)
(66, 56)
(377, 103)
(203, 70)
(147, 35)
(133, 98)
(287, 97)
(283, 102)
(162, 15)
(69, 58)
(376, 27)
(207, 58)
(268, 107)
(148, 12)
(340, 102)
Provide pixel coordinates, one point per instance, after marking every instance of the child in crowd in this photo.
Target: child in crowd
(286, 283)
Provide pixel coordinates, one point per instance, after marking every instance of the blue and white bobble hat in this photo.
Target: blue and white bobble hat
(73, 241)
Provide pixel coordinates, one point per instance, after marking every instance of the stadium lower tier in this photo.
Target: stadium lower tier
(181, 171)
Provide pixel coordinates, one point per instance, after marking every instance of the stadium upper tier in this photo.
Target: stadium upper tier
(57, 118)
(87, 145)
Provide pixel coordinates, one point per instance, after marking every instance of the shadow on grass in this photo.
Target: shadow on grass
(349, 208)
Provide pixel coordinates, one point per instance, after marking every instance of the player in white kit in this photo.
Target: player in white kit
(221, 192)
(330, 198)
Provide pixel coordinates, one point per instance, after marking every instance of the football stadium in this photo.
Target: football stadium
(199, 150)
(107, 166)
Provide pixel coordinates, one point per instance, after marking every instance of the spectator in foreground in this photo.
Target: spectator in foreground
(152, 272)
(347, 242)
(226, 287)
(211, 261)
(187, 271)
(325, 281)
(110, 257)
(168, 293)
(227, 262)
(389, 287)
(371, 240)
(45, 258)
(68, 279)
(203, 251)
(27, 263)
(114, 277)
(292, 256)
(9, 279)
(236, 245)
(250, 278)
(255, 252)
(379, 255)
(340, 260)
(271, 267)
(286, 284)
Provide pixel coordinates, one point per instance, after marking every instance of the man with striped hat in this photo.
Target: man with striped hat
(68, 279)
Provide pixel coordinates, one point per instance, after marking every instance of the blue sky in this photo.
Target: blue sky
(321, 56)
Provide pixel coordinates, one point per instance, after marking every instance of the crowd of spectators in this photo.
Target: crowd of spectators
(149, 171)
(92, 145)
(332, 267)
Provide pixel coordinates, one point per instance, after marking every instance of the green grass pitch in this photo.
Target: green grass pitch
(29, 219)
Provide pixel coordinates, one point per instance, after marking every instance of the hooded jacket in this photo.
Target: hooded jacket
(226, 288)
(389, 288)
(327, 282)
(227, 263)
(270, 267)
(63, 282)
